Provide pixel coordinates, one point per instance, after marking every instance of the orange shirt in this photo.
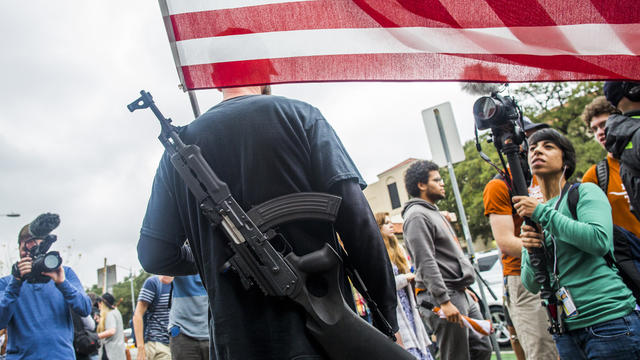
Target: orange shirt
(497, 201)
(617, 195)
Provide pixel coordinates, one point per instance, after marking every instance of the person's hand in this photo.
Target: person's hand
(410, 277)
(399, 339)
(452, 313)
(531, 237)
(56, 275)
(472, 294)
(525, 205)
(24, 266)
(141, 354)
(451, 217)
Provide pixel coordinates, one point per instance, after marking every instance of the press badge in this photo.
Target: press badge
(565, 299)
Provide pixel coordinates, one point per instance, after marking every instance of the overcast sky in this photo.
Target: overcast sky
(68, 144)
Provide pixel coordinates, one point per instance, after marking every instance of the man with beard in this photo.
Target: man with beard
(443, 279)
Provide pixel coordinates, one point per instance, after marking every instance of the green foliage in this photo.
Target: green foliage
(472, 175)
(557, 104)
(122, 293)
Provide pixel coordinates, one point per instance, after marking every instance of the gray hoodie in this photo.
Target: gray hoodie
(440, 263)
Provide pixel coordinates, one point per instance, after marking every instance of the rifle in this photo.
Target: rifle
(340, 331)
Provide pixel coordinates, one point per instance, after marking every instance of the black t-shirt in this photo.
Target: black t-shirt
(262, 147)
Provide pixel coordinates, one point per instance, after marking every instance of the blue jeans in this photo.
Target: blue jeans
(611, 340)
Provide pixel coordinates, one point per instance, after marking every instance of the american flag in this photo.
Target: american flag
(218, 43)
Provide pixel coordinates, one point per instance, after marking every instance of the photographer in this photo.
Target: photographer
(598, 320)
(38, 315)
(529, 319)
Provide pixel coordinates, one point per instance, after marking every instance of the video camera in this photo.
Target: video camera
(43, 260)
(502, 115)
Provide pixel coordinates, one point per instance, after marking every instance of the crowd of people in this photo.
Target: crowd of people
(199, 309)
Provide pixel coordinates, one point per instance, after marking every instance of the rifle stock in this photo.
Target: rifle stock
(340, 331)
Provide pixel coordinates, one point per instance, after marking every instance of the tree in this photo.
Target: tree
(557, 104)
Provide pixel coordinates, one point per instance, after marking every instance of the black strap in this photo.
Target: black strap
(573, 197)
(353, 274)
(566, 189)
(602, 172)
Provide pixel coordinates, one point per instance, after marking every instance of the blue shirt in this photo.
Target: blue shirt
(189, 307)
(156, 318)
(37, 316)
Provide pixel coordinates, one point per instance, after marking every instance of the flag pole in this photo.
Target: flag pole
(194, 103)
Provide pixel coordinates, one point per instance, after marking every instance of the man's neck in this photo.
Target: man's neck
(427, 199)
(229, 93)
(632, 112)
(551, 185)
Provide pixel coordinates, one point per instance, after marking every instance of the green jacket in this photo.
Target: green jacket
(597, 290)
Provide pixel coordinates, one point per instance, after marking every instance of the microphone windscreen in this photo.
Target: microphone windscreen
(44, 224)
(480, 88)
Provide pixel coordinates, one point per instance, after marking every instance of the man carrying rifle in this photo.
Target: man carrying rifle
(262, 147)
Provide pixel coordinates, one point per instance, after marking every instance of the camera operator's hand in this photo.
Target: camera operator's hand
(24, 266)
(525, 205)
(57, 275)
(452, 313)
(531, 237)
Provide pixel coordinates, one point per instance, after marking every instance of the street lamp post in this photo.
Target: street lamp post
(11, 214)
(133, 304)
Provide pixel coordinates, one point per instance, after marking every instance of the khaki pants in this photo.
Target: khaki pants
(157, 351)
(530, 321)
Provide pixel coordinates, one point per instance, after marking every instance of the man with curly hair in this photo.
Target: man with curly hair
(606, 173)
(443, 279)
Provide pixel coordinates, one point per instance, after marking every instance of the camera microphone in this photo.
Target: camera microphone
(480, 88)
(44, 224)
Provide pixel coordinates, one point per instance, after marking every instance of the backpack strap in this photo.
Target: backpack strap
(573, 196)
(602, 172)
(500, 177)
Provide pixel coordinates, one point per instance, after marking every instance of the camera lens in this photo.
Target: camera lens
(485, 108)
(51, 261)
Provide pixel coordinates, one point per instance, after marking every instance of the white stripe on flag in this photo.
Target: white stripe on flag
(587, 39)
(187, 6)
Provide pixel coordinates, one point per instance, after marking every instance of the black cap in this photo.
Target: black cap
(614, 91)
(109, 300)
(530, 125)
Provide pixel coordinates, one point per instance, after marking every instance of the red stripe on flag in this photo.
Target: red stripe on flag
(291, 16)
(369, 14)
(414, 67)
(618, 11)
(621, 12)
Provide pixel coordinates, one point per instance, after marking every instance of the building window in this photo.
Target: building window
(393, 194)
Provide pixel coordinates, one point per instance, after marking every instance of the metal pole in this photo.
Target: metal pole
(465, 225)
(133, 304)
(194, 103)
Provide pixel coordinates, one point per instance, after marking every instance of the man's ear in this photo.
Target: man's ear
(422, 186)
